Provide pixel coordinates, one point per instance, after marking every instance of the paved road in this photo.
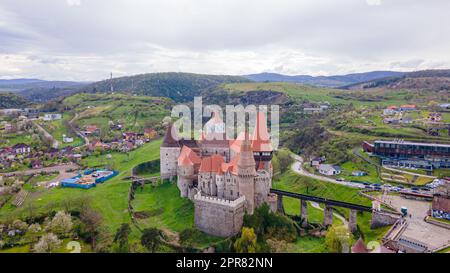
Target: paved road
(297, 167)
(57, 168)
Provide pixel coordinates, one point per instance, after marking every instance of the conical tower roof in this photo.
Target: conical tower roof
(261, 138)
(169, 139)
(246, 163)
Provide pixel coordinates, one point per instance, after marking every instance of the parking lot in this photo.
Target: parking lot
(431, 235)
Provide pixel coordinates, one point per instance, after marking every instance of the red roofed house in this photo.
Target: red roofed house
(150, 133)
(408, 107)
(92, 130)
(359, 247)
(440, 207)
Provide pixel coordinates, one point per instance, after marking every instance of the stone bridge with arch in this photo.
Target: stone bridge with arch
(379, 218)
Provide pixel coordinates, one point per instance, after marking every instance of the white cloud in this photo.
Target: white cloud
(73, 2)
(222, 36)
(373, 2)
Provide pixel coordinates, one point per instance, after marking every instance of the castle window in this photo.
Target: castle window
(231, 192)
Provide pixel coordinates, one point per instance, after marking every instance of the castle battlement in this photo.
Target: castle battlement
(219, 201)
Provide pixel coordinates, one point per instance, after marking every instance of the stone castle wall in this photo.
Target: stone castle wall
(219, 217)
(169, 161)
(382, 219)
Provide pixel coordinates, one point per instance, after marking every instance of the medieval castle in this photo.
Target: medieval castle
(224, 178)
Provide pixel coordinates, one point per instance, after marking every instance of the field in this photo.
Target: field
(134, 112)
(58, 128)
(110, 198)
(374, 97)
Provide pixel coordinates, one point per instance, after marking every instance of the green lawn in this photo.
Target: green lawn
(58, 128)
(109, 198)
(309, 244)
(165, 205)
(8, 140)
(291, 181)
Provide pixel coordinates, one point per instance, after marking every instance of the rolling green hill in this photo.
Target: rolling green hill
(9, 100)
(438, 80)
(179, 87)
(134, 112)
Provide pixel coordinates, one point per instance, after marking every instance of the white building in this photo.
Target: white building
(327, 169)
(67, 139)
(50, 117)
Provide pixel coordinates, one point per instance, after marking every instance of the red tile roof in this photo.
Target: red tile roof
(408, 106)
(212, 164)
(261, 138)
(359, 247)
(188, 157)
(169, 139)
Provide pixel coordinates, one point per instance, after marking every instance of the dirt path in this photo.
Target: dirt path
(58, 168)
(337, 215)
(55, 143)
(85, 139)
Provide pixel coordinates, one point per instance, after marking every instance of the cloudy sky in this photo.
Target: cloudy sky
(87, 39)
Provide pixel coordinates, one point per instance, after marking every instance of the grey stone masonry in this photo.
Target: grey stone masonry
(328, 215)
(352, 222)
(381, 219)
(219, 217)
(304, 212)
(280, 207)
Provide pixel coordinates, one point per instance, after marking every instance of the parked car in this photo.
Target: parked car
(340, 179)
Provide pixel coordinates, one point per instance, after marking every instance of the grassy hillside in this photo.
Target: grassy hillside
(301, 93)
(179, 87)
(134, 112)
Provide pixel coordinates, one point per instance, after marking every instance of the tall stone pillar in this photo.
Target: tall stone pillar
(352, 223)
(328, 215)
(304, 212)
(280, 207)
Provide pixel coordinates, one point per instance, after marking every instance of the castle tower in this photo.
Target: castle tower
(246, 173)
(262, 147)
(169, 152)
(188, 164)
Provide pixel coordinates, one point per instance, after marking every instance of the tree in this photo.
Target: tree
(91, 221)
(152, 238)
(20, 225)
(247, 242)
(338, 239)
(277, 246)
(285, 160)
(61, 224)
(267, 224)
(121, 237)
(47, 243)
